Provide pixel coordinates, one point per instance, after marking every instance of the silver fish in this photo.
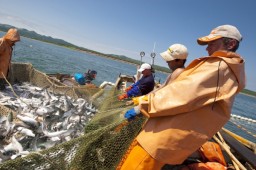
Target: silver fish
(28, 120)
(13, 146)
(26, 131)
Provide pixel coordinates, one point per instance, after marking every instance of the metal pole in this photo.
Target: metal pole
(153, 54)
(153, 57)
(142, 54)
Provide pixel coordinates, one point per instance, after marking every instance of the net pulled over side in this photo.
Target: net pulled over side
(25, 72)
(105, 140)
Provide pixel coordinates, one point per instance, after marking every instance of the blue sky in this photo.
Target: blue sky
(128, 27)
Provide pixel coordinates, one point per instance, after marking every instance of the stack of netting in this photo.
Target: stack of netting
(106, 137)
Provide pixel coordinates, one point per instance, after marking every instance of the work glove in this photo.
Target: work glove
(130, 114)
(123, 96)
(137, 100)
(128, 88)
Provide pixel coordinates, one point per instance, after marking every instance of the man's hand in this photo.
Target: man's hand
(123, 96)
(130, 114)
(130, 102)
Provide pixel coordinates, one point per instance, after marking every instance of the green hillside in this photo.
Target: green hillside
(249, 92)
(48, 39)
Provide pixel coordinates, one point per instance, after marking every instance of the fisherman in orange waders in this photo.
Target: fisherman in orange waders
(6, 43)
(187, 112)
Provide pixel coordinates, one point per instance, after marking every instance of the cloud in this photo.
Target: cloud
(17, 21)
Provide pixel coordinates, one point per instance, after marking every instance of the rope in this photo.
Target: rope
(53, 84)
(242, 128)
(217, 86)
(243, 118)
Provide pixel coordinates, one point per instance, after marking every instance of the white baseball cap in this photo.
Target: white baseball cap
(144, 67)
(175, 51)
(228, 31)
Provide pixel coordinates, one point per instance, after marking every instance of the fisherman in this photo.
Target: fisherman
(143, 86)
(6, 43)
(85, 78)
(186, 113)
(176, 57)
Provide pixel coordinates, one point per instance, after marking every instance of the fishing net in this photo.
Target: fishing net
(106, 137)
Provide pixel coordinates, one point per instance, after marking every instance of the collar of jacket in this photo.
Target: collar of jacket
(221, 54)
(227, 54)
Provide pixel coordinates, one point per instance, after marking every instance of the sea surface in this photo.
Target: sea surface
(51, 58)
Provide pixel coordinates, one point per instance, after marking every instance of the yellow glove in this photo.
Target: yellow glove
(136, 100)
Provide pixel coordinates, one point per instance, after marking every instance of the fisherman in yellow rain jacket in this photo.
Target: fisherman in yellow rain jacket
(6, 44)
(187, 112)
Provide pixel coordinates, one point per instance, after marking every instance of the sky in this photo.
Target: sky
(128, 27)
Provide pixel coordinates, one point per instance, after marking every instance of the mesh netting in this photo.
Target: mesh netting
(106, 137)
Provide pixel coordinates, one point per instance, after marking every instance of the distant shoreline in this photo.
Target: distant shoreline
(112, 58)
(248, 94)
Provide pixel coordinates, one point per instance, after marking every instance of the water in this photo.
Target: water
(50, 58)
(244, 106)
